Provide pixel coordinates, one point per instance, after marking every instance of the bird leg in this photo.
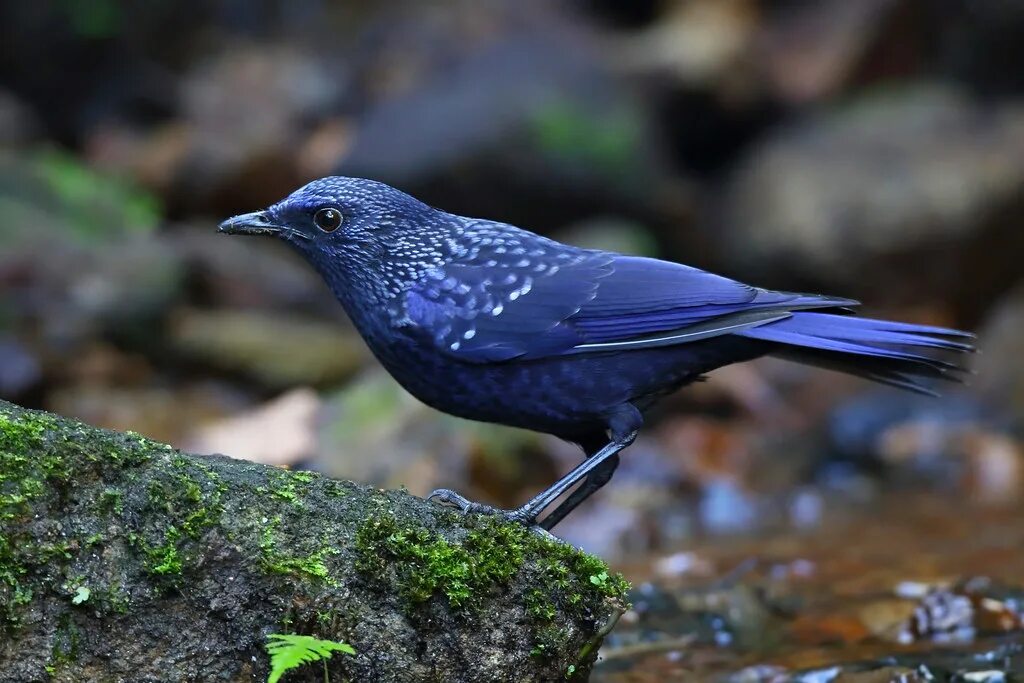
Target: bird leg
(527, 514)
(594, 481)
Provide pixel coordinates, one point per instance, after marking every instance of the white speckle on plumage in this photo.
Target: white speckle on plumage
(454, 346)
(469, 334)
(499, 250)
(491, 263)
(496, 311)
(510, 279)
(513, 295)
(523, 263)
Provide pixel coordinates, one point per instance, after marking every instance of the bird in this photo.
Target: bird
(490, 322)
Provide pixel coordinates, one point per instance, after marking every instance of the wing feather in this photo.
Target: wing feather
(562, 300)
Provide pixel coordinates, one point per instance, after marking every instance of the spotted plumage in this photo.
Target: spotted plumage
(491, 322)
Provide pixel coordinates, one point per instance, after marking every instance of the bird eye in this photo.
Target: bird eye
(328, 219)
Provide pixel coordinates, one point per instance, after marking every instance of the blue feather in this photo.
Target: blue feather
(884, 351)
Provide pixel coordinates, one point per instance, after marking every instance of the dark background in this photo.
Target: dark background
(870, 149)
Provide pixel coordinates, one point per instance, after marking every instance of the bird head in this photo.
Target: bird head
(349, 229)
(334, 214)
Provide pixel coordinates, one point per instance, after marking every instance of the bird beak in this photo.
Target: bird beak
(255, 223)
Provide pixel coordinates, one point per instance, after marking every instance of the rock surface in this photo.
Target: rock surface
(124, 559)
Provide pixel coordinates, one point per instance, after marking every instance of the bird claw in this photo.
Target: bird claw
(456, 500)
(453, 499)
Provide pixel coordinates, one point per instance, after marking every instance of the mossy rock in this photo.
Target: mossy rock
(124, 559)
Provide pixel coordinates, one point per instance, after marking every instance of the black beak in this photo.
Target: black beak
(255, 223)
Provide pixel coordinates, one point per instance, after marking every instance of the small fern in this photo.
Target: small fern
(290, 651)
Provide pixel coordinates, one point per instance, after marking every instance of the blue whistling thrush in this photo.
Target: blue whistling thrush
(490, 322)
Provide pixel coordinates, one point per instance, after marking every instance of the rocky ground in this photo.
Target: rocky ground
(123, 559)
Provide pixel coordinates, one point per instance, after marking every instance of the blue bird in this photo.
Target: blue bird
(490, 322)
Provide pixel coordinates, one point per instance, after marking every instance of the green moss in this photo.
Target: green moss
(112, 598)
(308, 566)
(288, 494)
(187, 499)
(289, 486)
(335, 488)
(65, 642)
(41, 457)
(424, 564)
(420, 566)
(174, 503)
(204, 510)
(427, 564)
(22, 477)
(540, 605)
(548, 641)
(24, 474)
(566, 567)
(110, 501)
(163, 559)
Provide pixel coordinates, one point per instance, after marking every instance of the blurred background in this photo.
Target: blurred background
(775, 518)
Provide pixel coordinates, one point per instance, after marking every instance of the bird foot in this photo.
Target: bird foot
(521, 515)
(457, 500)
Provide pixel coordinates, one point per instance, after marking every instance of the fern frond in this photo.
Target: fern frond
(290, 651)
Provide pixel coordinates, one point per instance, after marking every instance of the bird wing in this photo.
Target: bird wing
(496, 309)
(569, 301)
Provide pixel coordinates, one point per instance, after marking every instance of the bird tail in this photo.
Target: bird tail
(898, 354)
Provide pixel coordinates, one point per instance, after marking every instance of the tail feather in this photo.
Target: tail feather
(851, 328)
(892, 353)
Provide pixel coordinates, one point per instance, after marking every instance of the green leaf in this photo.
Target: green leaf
(82, 594)
(290, 651)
